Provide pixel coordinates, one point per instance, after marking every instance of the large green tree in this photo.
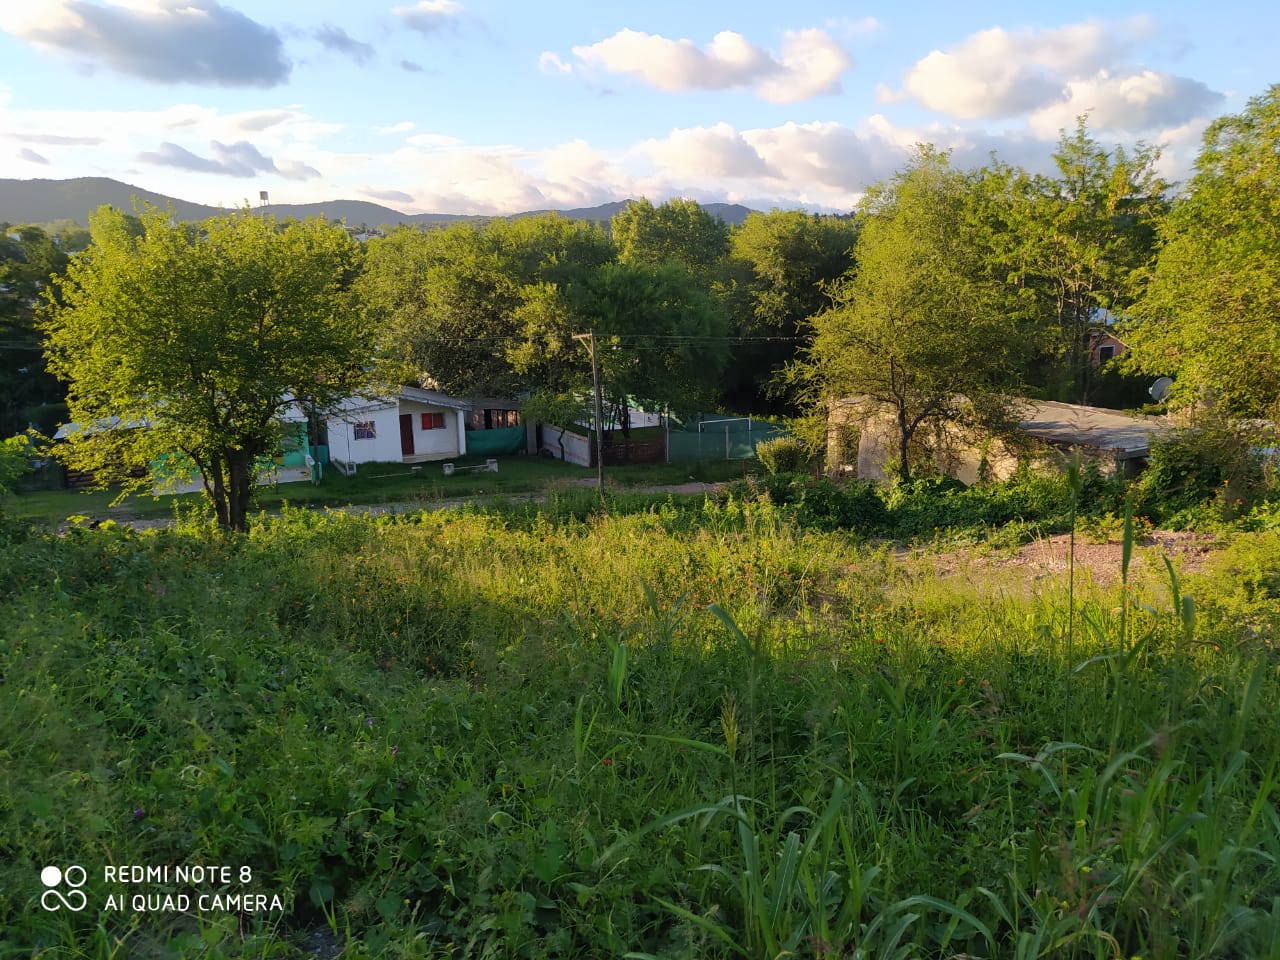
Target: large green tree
(479, 309)
(1211, 313)
(921, 331)
(29, 395)
(677, 231)
(661, 340)
(782, 265)
(195, 338)
(1075, 246)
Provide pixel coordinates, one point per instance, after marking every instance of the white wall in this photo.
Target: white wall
(430, 444)
(576, 449)
(344, 446)
(385, 447)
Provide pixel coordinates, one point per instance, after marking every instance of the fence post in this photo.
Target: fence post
(726, 441)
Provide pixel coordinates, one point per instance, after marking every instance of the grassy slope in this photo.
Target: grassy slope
(441, 735)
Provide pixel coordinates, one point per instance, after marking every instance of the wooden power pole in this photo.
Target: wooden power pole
(590, 337)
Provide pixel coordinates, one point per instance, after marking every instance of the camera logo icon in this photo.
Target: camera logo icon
(53, 898)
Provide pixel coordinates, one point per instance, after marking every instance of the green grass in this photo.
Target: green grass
(683, 729)
(377, 483)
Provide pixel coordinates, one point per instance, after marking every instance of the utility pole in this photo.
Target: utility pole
(590, 337)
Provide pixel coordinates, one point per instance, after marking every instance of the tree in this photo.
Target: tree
(920, 329)
(1075, 245)
(194, 339)
(478, 309)
(1211, 312)
(660, 338)
(29, 260)
(678, 231)
(16, 454)
(783, 264)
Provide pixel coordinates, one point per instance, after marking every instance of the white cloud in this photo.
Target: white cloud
(719, 151)
(404, 126)
(811, 63)
(241, 159)
(1137, 101)
(431, 16)
(998, 73)
(434, 141)
(550, 62)
(855, 26)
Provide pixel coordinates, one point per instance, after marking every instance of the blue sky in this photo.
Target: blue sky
(481, 106)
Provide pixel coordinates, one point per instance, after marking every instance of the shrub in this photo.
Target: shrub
(1210, 464)
(782, 455)
(854, 505)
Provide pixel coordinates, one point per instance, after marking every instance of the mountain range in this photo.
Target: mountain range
(46, 201)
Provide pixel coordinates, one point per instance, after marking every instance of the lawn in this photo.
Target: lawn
(377, 483)
(678, 728)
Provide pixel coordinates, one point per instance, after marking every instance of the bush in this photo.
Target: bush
(782, 455)
(855, 505)
(1208, 465)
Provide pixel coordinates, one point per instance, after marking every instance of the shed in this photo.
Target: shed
(860, 440)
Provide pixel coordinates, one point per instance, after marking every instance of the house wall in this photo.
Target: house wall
(956, 452)
(344, 447)
(437, 444)
(433, 444)
(965, 454)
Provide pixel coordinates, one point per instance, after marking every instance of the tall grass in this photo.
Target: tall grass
(529, 733)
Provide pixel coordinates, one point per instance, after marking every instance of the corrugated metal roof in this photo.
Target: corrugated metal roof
(1069, 424)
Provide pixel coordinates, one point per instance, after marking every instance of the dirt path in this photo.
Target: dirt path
(1100, 561)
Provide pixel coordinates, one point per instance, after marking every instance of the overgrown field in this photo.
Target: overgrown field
(693, 730)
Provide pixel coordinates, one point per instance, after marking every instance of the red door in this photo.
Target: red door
(406, 434)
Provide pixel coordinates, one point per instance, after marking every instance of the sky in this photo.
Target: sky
(501, 106)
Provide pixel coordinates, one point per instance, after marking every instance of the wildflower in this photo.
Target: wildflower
(395, 749)
(368, 722)
(607, 761)
(139, 813)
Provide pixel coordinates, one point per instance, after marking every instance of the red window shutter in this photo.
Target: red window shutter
(437, 421)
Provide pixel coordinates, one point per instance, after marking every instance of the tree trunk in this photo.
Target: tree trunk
(238, 489)
(904, 445)
(216, 487)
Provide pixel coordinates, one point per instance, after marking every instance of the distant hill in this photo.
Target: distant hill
(44, 201)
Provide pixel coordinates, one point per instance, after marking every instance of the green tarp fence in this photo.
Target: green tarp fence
(491, 443)
(728, 441)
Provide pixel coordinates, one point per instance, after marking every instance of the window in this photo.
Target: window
(433, 421)
(1106, 352)
(366, 430)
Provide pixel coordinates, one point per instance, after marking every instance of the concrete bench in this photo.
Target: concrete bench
(489, 466)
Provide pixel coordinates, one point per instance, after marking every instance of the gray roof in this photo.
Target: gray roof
(1067, 424)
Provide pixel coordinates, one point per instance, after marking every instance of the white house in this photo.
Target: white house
(410, 426)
